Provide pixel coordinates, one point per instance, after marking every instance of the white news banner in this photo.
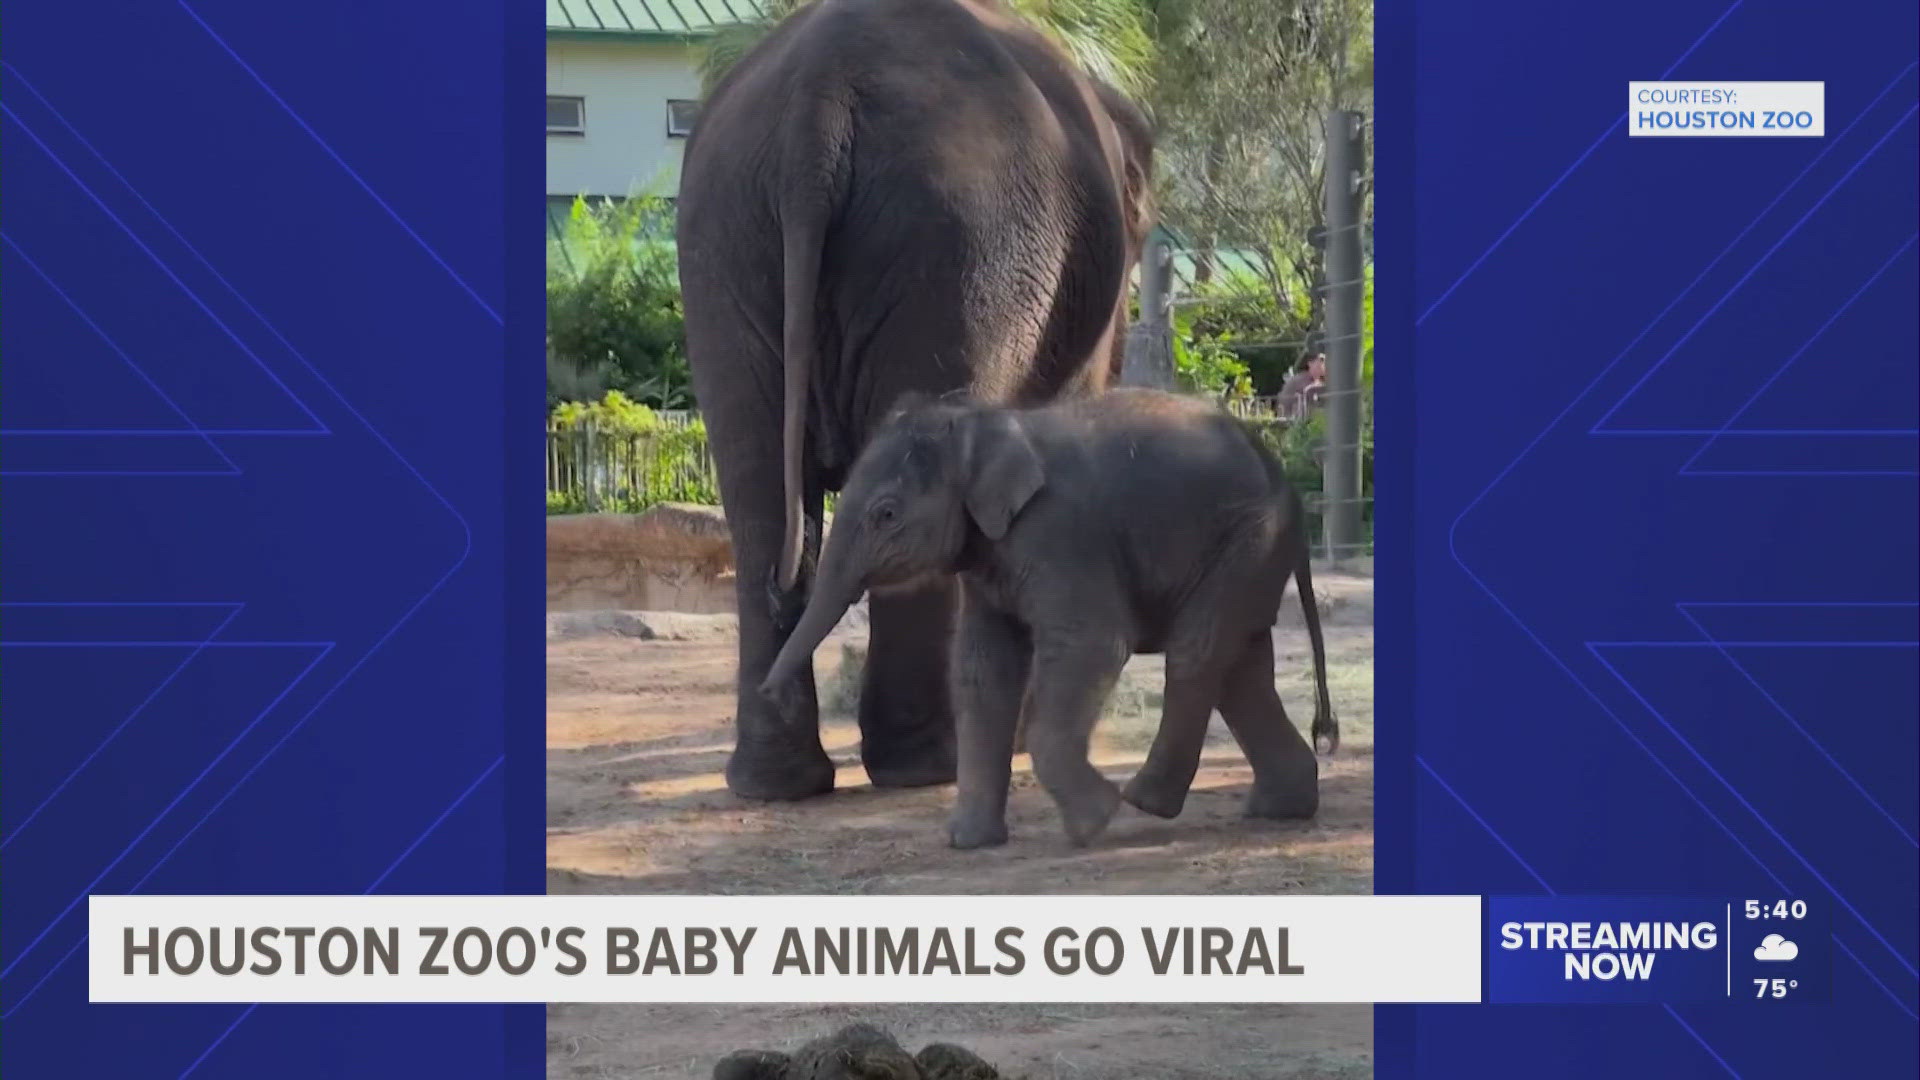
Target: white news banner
(508, 949)
(1726, 109)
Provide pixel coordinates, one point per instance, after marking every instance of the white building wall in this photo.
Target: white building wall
(626, 86)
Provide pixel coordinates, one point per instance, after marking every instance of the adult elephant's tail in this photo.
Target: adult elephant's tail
(815, 153)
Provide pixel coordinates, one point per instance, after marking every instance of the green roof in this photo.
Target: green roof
(1227, 262)
(659, 19)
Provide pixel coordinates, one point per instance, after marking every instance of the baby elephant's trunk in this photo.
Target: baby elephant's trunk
(824, 609)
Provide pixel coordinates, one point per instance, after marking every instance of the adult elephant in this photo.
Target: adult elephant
(887, 196)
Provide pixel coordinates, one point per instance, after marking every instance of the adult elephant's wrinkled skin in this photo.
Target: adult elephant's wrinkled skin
(887, 196)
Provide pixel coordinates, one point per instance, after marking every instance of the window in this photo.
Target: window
(680, 116)
(566, 115)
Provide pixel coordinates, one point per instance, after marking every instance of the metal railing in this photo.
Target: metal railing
(1324, 437)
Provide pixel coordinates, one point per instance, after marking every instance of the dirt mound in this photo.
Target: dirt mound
(669, 532)
(668, 625)
(673, 557)
(639, 625)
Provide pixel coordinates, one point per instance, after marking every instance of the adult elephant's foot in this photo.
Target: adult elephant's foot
(906, 714)
(906, 766)
(778, 771)
(967, 831)
(907, 742)
(1155, 795)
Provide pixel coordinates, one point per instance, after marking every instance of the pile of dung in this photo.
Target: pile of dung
(856, 1052)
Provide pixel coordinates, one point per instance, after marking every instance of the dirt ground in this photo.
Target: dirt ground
(639, 715)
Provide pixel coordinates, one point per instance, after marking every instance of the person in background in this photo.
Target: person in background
(1304, 387)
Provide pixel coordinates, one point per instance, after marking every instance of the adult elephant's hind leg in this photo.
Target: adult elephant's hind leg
(777, 753)
(1286, 775)
(906, 709)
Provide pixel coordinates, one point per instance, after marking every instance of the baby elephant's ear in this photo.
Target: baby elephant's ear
(1000, 471)
(752, 1065)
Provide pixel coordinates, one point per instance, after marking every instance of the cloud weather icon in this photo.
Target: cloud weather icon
(1775, 947)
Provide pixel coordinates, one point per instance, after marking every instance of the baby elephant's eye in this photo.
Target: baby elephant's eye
(885, 514)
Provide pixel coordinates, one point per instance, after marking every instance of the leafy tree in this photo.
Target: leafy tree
(1240, 93)
(1108, 38)
(1206, 361)
(613, 412)
(1366, 333)
(614, 318)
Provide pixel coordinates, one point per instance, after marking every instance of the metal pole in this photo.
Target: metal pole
(1342, 476)
(1148, 359)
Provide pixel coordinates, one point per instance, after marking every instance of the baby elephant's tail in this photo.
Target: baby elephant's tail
(1294, 526)
(1325, 724)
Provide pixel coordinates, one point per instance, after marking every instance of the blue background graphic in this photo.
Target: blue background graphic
(270, 439)
(1535, 971)
(1647, 525)
(271, 616)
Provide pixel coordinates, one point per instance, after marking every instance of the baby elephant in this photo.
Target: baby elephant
(855, 1052)
(1082, 533)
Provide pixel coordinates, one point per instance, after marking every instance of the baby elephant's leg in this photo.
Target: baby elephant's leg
(1198, 658)
(1071, 681)
(1192, 688)
(991, 657)
(1286, 775)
